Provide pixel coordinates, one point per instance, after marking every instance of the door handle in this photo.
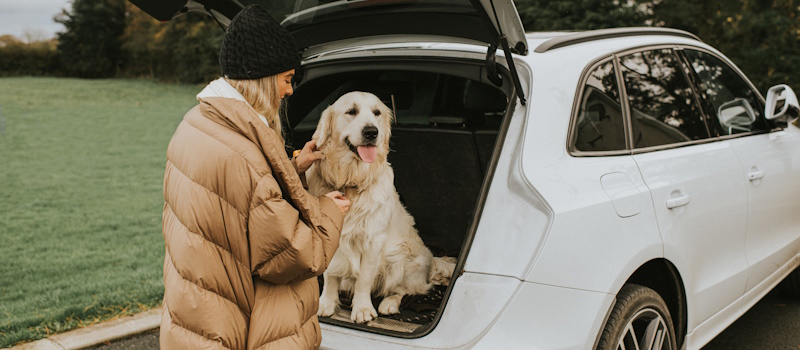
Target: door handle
(755, 175)
(678, 201)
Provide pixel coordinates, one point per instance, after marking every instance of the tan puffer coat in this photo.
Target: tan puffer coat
(243, 237)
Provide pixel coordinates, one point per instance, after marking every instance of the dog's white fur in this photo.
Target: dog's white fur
(379, 251)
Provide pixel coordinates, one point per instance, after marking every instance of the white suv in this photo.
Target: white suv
(614, 189)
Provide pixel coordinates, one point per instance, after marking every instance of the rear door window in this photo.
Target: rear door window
(663, 107)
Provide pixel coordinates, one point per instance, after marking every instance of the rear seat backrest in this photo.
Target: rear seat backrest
(438, 175)
(484, 105)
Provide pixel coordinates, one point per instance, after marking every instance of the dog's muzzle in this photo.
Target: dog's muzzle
(367, 151)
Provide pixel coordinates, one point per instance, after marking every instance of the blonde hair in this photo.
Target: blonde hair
(262, 95)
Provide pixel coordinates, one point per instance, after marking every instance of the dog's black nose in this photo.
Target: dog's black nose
(370, 133)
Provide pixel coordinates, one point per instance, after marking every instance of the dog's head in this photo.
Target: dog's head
(356, 128)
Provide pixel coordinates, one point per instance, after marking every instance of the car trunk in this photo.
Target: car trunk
(448, 118)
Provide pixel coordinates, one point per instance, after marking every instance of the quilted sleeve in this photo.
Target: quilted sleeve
(283, 246)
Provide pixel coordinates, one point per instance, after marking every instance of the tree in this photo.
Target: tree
(760, 36)
(30, 56)
(544, 15)
(91, 46)
(185, 49)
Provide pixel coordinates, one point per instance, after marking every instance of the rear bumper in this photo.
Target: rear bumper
(549, 317)
(497, 312)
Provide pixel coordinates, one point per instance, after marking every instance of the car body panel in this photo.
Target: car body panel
(704, 239)
(773, 222)
(587, 228)
(544, 317)
(706, 331)
(514, 219)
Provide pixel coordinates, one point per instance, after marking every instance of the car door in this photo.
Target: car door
(699, 197)
(770, 162)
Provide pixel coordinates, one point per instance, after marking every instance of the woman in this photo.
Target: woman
(244, 240)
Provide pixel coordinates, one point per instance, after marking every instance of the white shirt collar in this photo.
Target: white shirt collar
(221, 88)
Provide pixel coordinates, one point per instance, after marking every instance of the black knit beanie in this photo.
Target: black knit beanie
(256, 45)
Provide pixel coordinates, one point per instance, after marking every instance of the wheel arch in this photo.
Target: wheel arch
(663, 277)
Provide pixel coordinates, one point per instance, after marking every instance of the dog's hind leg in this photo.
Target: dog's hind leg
(391, 304)
(329, 299)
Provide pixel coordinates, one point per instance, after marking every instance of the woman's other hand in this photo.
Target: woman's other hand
(341, 201)
(308, 155)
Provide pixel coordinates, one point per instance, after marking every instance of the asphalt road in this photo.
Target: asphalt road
(772, 324)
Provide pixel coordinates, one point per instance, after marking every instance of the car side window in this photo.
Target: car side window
(662, 104)
(736, 106)
(599, 125)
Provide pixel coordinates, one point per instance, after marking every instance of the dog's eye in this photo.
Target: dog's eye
(351, 111)
(376, 112)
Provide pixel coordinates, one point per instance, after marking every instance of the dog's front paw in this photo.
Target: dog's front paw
(326, 307)
(363, 313)
(389, 306)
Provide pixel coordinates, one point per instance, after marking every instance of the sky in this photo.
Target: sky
(33, 18)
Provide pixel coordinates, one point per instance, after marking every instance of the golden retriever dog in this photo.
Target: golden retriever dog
(380, 251)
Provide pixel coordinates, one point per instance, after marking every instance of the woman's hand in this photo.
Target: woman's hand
(341, 201)
(308, 155)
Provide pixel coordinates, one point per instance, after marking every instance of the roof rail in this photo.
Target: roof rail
(582, 37)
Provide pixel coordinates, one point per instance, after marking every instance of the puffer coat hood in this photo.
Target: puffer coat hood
(244, 240)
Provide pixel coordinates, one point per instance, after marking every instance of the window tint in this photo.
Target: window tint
(663, 107)
(600, 125)
(735, 105)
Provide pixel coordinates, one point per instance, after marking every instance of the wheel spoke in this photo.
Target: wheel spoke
(628, 338)
(653, 334)
(653, 330)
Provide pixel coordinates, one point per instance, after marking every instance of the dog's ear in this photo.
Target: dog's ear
(323, 131)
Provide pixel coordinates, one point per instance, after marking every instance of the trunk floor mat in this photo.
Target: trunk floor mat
(416, 311)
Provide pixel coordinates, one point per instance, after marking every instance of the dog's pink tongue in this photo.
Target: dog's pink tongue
(368, 153)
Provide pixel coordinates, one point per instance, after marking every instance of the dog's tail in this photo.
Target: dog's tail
(442, 270)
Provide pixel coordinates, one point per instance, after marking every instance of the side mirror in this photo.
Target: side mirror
(782, 104)
(736, 115)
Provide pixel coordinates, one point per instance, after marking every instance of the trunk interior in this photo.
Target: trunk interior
(448, 117)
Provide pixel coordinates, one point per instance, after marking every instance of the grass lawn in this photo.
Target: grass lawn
(81, 168)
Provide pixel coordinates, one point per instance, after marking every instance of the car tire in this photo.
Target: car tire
(640, 315)
(791, 284)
